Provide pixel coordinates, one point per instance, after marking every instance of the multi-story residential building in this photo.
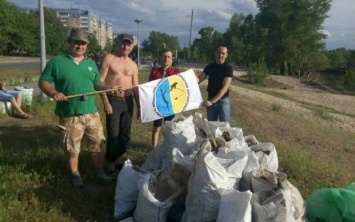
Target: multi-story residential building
(89, 21)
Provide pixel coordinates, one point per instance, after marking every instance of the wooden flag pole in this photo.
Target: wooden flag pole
(214, 143)
(90, 93)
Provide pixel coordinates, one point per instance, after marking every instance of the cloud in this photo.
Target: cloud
(173, 17)
(222, 15)
(244, 6)
(325, 32)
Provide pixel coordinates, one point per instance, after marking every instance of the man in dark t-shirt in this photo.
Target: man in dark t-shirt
(220, 77)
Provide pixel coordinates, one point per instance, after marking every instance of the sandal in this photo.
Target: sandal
(24, 116)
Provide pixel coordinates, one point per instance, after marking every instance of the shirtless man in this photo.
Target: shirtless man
(118, 70)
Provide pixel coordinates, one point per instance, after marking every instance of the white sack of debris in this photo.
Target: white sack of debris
(209, 171)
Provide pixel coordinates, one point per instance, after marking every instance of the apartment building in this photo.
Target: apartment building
(84, 19)
(89, 21)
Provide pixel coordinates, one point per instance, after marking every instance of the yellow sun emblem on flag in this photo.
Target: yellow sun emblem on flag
(170, 96)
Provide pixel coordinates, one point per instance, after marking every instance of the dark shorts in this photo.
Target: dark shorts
(159, 122)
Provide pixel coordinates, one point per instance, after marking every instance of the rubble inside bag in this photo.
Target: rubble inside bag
(180, 174)
(251, 140)
(260, 156)
(198, 161)
(226, 136)
(235, 138)
(163, 187)
(275, 198)
(267, 156)
(152, 187)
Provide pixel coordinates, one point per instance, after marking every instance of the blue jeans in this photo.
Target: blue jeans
(219, 111)
(8, 95)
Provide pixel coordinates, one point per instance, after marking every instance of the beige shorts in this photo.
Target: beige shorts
(74, 128)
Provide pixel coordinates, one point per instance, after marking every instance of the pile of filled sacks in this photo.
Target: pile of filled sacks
(207, 171)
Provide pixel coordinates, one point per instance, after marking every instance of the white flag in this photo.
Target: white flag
(168, 96)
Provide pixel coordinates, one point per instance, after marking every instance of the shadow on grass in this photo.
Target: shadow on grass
(35, 151)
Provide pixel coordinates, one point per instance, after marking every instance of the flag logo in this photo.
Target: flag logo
(171, 96)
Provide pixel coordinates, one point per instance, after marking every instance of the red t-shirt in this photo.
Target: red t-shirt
(157, 73)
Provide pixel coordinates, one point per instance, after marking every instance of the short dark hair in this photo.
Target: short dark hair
(166, 50)
(221, 45)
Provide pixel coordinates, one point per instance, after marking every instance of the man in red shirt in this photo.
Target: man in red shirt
(166, 57)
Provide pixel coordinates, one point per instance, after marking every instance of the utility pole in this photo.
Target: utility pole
(138, 20)
(42, 40)
(192, 17)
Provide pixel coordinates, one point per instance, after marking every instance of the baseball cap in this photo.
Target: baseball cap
(127, 37)
(79, 35)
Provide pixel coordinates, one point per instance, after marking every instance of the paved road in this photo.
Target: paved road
(9, 62)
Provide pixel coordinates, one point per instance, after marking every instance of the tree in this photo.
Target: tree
(108, 46)
(56, 33)
(19, 31)
(243, 40)
(94, 46)
(157, 41)
(15, 36)
(338, 58)
(292, 37)
(203, 48)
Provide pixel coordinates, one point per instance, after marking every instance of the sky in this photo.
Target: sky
(174, 17)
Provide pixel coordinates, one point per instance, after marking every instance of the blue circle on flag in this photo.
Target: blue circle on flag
(171, 96)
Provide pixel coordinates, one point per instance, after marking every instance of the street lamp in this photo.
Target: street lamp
(138, 20)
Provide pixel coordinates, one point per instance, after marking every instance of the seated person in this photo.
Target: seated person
(15, 98)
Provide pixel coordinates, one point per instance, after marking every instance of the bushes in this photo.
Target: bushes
(256, 77)
(349, 80)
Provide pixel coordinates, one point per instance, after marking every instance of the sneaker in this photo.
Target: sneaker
(78, 182)
(104, 178)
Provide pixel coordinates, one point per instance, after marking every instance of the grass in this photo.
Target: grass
(35, 184)
(314, 107)
(276, 107)
(19, 76)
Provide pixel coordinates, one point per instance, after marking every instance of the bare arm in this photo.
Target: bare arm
(202, 77)
(105, 65)
(50, 91)
(226, 83)
(135, 82)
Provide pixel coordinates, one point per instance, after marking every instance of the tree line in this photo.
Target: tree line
(19, 32)
(284, 37)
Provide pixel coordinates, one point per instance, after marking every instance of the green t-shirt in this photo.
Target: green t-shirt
(72, 79)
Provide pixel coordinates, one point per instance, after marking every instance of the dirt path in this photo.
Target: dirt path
(307, 101)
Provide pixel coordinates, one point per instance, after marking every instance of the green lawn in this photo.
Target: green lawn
(35, 184)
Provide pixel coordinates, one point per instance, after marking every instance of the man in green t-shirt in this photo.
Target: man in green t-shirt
(72, 74)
